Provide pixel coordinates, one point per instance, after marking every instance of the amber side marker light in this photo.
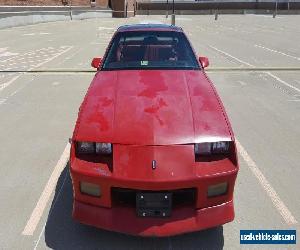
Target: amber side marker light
(90, 189)
(217, 190)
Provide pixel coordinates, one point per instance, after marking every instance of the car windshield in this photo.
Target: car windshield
(150, 50)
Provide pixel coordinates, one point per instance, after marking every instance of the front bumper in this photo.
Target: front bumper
(204, 213)
(124, 220)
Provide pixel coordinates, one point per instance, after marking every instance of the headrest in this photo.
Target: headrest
(150, 40)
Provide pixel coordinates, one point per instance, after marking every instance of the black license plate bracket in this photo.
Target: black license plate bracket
(154, 204)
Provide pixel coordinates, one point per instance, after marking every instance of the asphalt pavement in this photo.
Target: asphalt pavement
(38, 112)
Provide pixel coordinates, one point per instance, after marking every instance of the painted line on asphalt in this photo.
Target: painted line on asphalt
(233, 57)
(282, 81)
(22, 55)
(4, 85)
(51, 58)
(46, 194)
(277, 202)
(268, 73)
(3, 100)
(276, 51)
(50, 212)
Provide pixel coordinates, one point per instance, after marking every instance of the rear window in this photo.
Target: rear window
(150, 50)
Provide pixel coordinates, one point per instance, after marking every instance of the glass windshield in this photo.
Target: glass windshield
(150, 50)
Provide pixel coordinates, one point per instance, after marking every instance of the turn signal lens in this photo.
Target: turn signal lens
(218, 189)
(90, 189)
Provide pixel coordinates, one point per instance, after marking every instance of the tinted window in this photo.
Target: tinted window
(150, 50)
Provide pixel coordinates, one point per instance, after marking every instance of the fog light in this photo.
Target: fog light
(90, 189)
(218, 189)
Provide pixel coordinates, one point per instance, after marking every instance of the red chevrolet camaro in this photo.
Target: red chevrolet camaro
(153, 152)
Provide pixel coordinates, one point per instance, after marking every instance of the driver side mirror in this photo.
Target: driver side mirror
(204, 61)
(96, 62)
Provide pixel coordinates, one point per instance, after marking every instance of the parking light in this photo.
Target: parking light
(217, 190)
(90, 189)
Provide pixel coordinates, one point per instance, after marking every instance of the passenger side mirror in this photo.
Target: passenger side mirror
(96, 62)
(204, 61)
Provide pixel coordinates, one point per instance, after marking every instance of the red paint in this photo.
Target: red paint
(124, 220)
(188, 115)
(147, 115)
(152, 86)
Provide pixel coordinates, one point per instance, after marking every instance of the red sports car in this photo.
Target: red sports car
(153, 152)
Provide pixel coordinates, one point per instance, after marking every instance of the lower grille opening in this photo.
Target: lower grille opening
(127, 197)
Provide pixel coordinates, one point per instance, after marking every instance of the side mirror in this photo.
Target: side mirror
(96, 62)
(204, 61)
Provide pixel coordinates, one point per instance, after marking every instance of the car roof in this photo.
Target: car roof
(141, 27)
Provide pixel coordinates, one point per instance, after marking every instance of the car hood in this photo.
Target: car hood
(151, 107)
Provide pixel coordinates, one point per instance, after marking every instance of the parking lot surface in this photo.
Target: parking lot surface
(38, 112)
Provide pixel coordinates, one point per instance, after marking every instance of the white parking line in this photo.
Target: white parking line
(242, 83)
(54, 202)
(233, 57)
(276, 51)
(51, 58)
(277, 202)
(248, 64)
(283, 82)
(72, 55)
(105, 28)
(5, 53)
(46, 194)
(3, 100)
(29, 34)
(6, 84)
